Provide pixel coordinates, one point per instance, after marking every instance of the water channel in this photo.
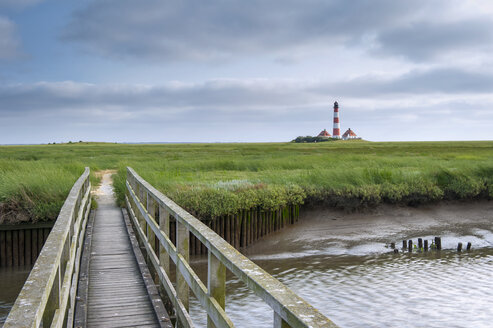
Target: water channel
(11, 282)
(339, 263)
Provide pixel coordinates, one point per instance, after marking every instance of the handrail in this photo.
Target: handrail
(150, 212)
(48, 296)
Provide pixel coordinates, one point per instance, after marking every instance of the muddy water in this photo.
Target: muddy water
(339, 263)
(11, 282)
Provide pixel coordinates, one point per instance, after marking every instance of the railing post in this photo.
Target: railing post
(182, 248)
(140, 217)
(279, 322)
(164, 226)
(151, 210)
(53, 302)
(216, 283)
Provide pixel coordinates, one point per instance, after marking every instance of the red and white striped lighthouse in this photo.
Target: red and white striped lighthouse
(337, 126)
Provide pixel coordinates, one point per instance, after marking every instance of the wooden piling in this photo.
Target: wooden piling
(459, 247)
(262, 223)
(221, 226)
(15, 248)
(237, 230)
(248, 216)
(420, 243)
(410, 245)
(198, 246)
(259, 224)
(3, 250)
(252, 225)
(426, 246)
(228, 229)
(438, 243)
(22, 246)
(172, 230)
(253, 218)
(232, 222)
(27, 248)
(404, 244)
(192, 244)
(9, 248)
(34, 246)
(277, 222)
(469, 245)
(244, 227)
(41, 239)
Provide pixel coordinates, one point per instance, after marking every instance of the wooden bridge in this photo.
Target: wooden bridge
(91, 271)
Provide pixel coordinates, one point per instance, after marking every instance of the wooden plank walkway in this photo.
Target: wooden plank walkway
(117, 294)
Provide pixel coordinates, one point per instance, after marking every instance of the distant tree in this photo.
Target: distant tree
(310, 139)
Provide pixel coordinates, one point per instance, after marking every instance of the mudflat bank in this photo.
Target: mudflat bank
(322, 231)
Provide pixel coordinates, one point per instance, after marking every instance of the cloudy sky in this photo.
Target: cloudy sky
(235, 70)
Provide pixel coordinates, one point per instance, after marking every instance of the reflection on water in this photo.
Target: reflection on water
(11, 282)
(343, 269)
(404, 290)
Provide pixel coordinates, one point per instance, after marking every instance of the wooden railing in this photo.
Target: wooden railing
(48, 296)
(151, 213)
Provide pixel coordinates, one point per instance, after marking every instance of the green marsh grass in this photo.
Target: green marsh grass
(216, 179)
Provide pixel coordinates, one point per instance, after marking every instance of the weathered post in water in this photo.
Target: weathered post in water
(410, 246)
(459, 247)
(438, 243)
(420, 243)
(426, 246)
(404, 244)
(469, 246)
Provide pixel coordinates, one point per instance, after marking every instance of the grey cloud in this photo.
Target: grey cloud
(231, 96)
(448, 81)
(9, 43)
(227, 96)
(424, 40)
(244, 110)
(216, 30)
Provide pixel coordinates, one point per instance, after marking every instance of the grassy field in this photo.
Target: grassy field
(216, 179)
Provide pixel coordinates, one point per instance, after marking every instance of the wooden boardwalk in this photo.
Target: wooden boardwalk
(92, 273)
(116, 291)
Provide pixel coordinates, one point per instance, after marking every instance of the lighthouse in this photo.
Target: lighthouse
(337, 126)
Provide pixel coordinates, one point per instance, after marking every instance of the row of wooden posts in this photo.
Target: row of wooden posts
(424, 246)
(244, 228)
(20, 245)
